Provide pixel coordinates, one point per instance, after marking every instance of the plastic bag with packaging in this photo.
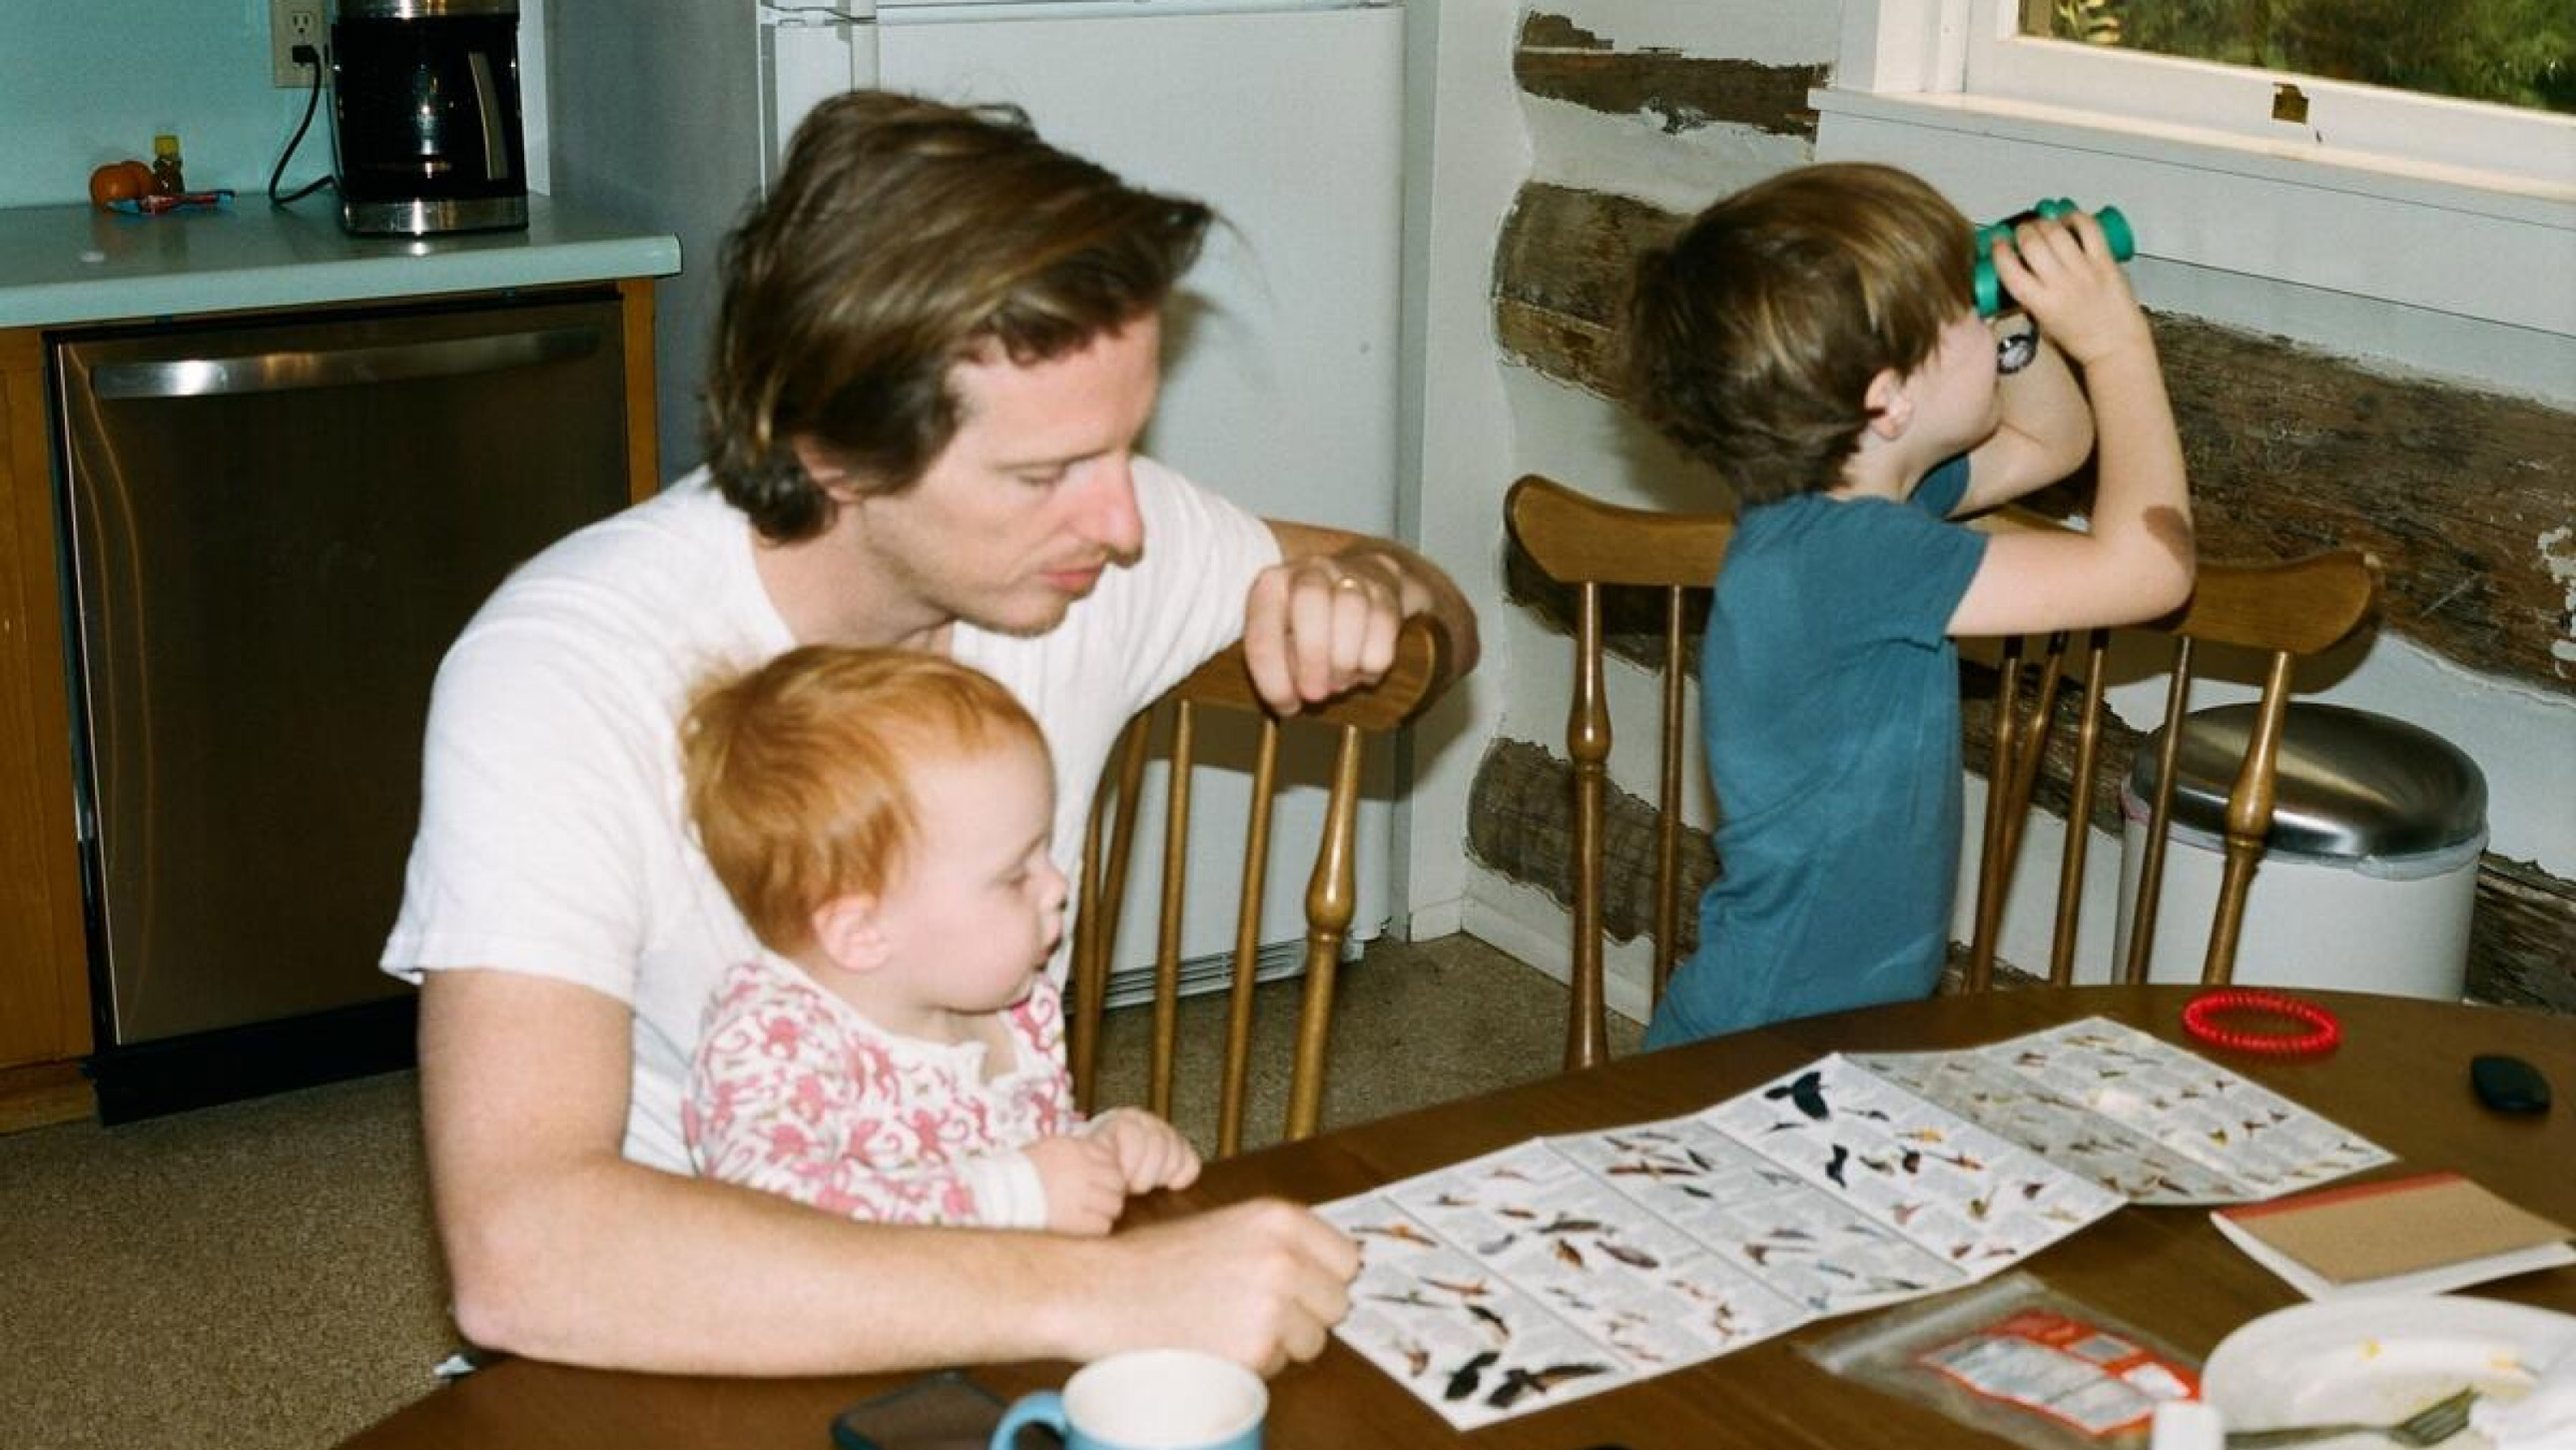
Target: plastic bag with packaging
(2016, 1358)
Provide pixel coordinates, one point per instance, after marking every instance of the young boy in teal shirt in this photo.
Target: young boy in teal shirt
(1815, 339)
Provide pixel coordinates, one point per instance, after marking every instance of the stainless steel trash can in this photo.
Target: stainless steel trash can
(2371, 872)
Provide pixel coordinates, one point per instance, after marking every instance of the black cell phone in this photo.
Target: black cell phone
(943, 1411)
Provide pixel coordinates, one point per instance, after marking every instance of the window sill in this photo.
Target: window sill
(2449, 239)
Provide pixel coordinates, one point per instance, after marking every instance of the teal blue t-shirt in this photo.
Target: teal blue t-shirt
(1829, 693)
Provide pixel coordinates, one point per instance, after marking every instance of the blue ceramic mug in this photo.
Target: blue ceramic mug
(1148, 1399)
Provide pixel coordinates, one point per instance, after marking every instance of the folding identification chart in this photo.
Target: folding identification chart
(2148, 1120)
(1563, 1266)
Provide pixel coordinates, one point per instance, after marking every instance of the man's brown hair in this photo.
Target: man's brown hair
(1753, 337)
(799, 772)
(901, 238)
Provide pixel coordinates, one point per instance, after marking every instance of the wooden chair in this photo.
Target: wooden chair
(1424, 666)
(2284, 610)
(1589, 545)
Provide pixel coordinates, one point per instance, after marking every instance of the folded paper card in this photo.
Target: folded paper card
(2419, 1235)
(1565, 1266)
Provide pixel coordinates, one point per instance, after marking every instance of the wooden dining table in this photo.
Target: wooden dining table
(2400, 1078)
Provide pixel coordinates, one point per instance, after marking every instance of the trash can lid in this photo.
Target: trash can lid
(2349, 784)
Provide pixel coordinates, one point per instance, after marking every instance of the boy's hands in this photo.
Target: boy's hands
(1085, 1186)
(1151, 1153)
(2061, 271)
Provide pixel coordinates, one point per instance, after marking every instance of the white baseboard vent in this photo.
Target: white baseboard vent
(1276, 961)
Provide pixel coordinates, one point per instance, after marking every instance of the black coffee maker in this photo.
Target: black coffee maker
(425, 130)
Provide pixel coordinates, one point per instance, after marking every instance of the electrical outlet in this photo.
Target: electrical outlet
(292, 23)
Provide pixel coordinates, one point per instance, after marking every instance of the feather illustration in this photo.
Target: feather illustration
(1518, 1382)
(1834, 1165)
(1635, 1258)
(1635, 1351)
(1565, 1250)
(1502, 1327)
(1806, 1093)
(1464, 1379)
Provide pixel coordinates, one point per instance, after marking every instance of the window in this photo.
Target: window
(2235, 66)
(2458, 207)
(2510, 52)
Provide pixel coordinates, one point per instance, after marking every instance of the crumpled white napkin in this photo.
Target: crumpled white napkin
(2544, 1419)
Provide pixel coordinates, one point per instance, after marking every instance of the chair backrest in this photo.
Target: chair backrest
(2286, 611)
(1588, 545)
(1424, 665)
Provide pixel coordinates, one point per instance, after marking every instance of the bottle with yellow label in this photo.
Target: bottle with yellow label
(166, 178)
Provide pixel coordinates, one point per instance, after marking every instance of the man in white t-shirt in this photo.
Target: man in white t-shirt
(939, 341)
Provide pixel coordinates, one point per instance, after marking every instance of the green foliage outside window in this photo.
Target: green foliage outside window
(2514, 52)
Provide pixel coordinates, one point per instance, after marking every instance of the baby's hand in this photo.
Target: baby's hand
(2061, 271)
(1084, 1189)
(1151, 1153)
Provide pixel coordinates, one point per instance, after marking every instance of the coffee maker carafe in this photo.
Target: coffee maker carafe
(425, 116)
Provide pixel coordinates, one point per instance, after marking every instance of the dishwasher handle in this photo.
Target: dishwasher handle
(278, 372)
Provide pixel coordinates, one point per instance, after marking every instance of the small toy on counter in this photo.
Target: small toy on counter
(167, 178)
(1992, 299)
(157, 203)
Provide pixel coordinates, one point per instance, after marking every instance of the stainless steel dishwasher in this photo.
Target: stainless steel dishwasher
(274, 530)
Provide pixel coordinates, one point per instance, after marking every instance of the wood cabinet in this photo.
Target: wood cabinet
(44, 964)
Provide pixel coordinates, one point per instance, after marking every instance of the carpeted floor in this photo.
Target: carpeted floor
(262, 1276)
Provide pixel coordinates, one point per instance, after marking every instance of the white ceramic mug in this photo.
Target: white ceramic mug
(1148, 1399)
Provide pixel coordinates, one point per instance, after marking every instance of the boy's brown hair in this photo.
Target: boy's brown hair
(798, 773)
(901, 238)
(1753, 337)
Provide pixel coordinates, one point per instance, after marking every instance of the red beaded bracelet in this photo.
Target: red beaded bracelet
(2323, 1033)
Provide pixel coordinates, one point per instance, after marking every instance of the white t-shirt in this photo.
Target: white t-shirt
(553, 837)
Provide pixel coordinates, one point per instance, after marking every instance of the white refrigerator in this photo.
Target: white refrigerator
(1280, 384)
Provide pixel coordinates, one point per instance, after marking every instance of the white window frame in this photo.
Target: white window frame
(2420, 201)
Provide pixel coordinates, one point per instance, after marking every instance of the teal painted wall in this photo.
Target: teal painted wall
(85, 82)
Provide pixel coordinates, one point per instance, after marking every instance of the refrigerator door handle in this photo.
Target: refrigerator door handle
(806, 58)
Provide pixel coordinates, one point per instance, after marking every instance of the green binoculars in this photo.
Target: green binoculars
(1992, 299)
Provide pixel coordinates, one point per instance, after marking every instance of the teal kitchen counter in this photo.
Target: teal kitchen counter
(62, 265)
